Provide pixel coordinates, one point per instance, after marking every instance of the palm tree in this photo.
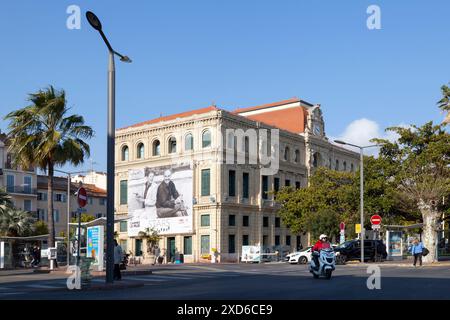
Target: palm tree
(43, 135)
(444, 103)
(15, 223)
(5, 201)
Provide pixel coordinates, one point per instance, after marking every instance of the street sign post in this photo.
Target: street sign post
(82, 201)
(357, 228)
(375, 219)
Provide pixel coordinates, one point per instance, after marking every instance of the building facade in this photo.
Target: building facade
(237, 158)
(20, 183)
(64, 208)
(95, 178)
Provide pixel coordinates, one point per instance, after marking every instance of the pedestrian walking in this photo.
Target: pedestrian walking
(118, 255)
(416, 251)
(157, 253)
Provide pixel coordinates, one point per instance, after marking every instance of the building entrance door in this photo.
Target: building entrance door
(171, 249)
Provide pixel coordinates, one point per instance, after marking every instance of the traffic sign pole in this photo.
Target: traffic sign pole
(82, 201)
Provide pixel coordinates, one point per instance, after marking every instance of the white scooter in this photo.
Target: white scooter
(327, 264)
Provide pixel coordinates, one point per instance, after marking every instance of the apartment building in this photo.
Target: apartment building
(96, 205)
(220, 153)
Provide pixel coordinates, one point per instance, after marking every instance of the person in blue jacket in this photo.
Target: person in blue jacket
(416, 251)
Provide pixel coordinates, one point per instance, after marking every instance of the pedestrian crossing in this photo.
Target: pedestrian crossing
(11, 289)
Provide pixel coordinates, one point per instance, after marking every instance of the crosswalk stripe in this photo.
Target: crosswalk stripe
(145, 279)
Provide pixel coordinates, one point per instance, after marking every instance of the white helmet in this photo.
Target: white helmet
(323, 236)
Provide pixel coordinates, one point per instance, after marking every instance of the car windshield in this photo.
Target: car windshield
(346, 244)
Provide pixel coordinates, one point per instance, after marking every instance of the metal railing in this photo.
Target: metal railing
(21, 190)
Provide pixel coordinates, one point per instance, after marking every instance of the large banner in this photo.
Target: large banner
(160, 198)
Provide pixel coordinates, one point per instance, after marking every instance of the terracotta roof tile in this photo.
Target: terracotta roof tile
(174, 116)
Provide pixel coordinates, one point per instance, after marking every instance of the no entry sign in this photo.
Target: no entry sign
(375, 219)
(82, 197)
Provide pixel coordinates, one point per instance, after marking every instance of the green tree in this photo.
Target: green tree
(40, 228)
(421, 158)
(324, 221)
(84, 218)
(15, 223)
(328, 192)
(44, 135)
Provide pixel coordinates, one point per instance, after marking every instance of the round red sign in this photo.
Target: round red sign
(342, 226)
(375, 219)
(82, 197)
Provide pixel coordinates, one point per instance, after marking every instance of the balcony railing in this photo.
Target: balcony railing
(21, 190)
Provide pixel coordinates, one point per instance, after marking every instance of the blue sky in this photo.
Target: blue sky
(189, 54)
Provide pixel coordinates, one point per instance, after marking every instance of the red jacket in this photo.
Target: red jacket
(320, 245)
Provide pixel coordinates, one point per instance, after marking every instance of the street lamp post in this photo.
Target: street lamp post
(361, 189)
(96, 24)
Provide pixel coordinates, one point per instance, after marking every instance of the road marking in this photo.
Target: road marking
(10, 293)
(41, 286)
(5, 288)
(144, 279)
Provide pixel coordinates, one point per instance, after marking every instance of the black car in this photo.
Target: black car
(374, 250)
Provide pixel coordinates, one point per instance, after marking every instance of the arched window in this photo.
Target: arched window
(297, 156)
(329, 163)
(286, 153)
(140, 151)
(337, 165)
(188, 142)
(317, 160)
(156, 148)
(352, 167)
(230, 140)
(206, 139)
(125, 153)
(246, 144)
(345, 166)
(172, 145)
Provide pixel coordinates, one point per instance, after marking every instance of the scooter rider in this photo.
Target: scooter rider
(322, 243)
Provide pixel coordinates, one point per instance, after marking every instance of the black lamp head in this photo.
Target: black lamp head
(94, 21)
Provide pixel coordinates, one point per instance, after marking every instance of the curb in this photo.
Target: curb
(398, 265)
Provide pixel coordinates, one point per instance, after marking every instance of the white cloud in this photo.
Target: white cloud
(361, 131)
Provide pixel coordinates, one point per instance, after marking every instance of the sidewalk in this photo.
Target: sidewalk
(402, 263)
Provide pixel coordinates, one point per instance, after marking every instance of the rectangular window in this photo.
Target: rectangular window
(232, 183)
(187, 245)
(265, 187)
(102, 201)
(98, 215)
(123, 226)
(124, 245)
(204, 242)
(299, 242)
(265, 241)
(277, 222)
(265, 222)
(287, 183)
(138, 248)
(288, 240)
(40, 214)
(297, 185)
(42, 196)
(90, 200)
(231, 220)
(245, 185)
(56, 215)
(245, 221)
(276, 184)
(231, 244)
(205, 182)
(245, 240)
(59, 197)
(27, 184)
(27, 205)
(277, 240)
(9, 183)
(123, 191)
(204, 220)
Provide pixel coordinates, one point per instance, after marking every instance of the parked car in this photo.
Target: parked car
(300, 257)
(374, 250)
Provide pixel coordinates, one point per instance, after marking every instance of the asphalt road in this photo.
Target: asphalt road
(245, 282)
